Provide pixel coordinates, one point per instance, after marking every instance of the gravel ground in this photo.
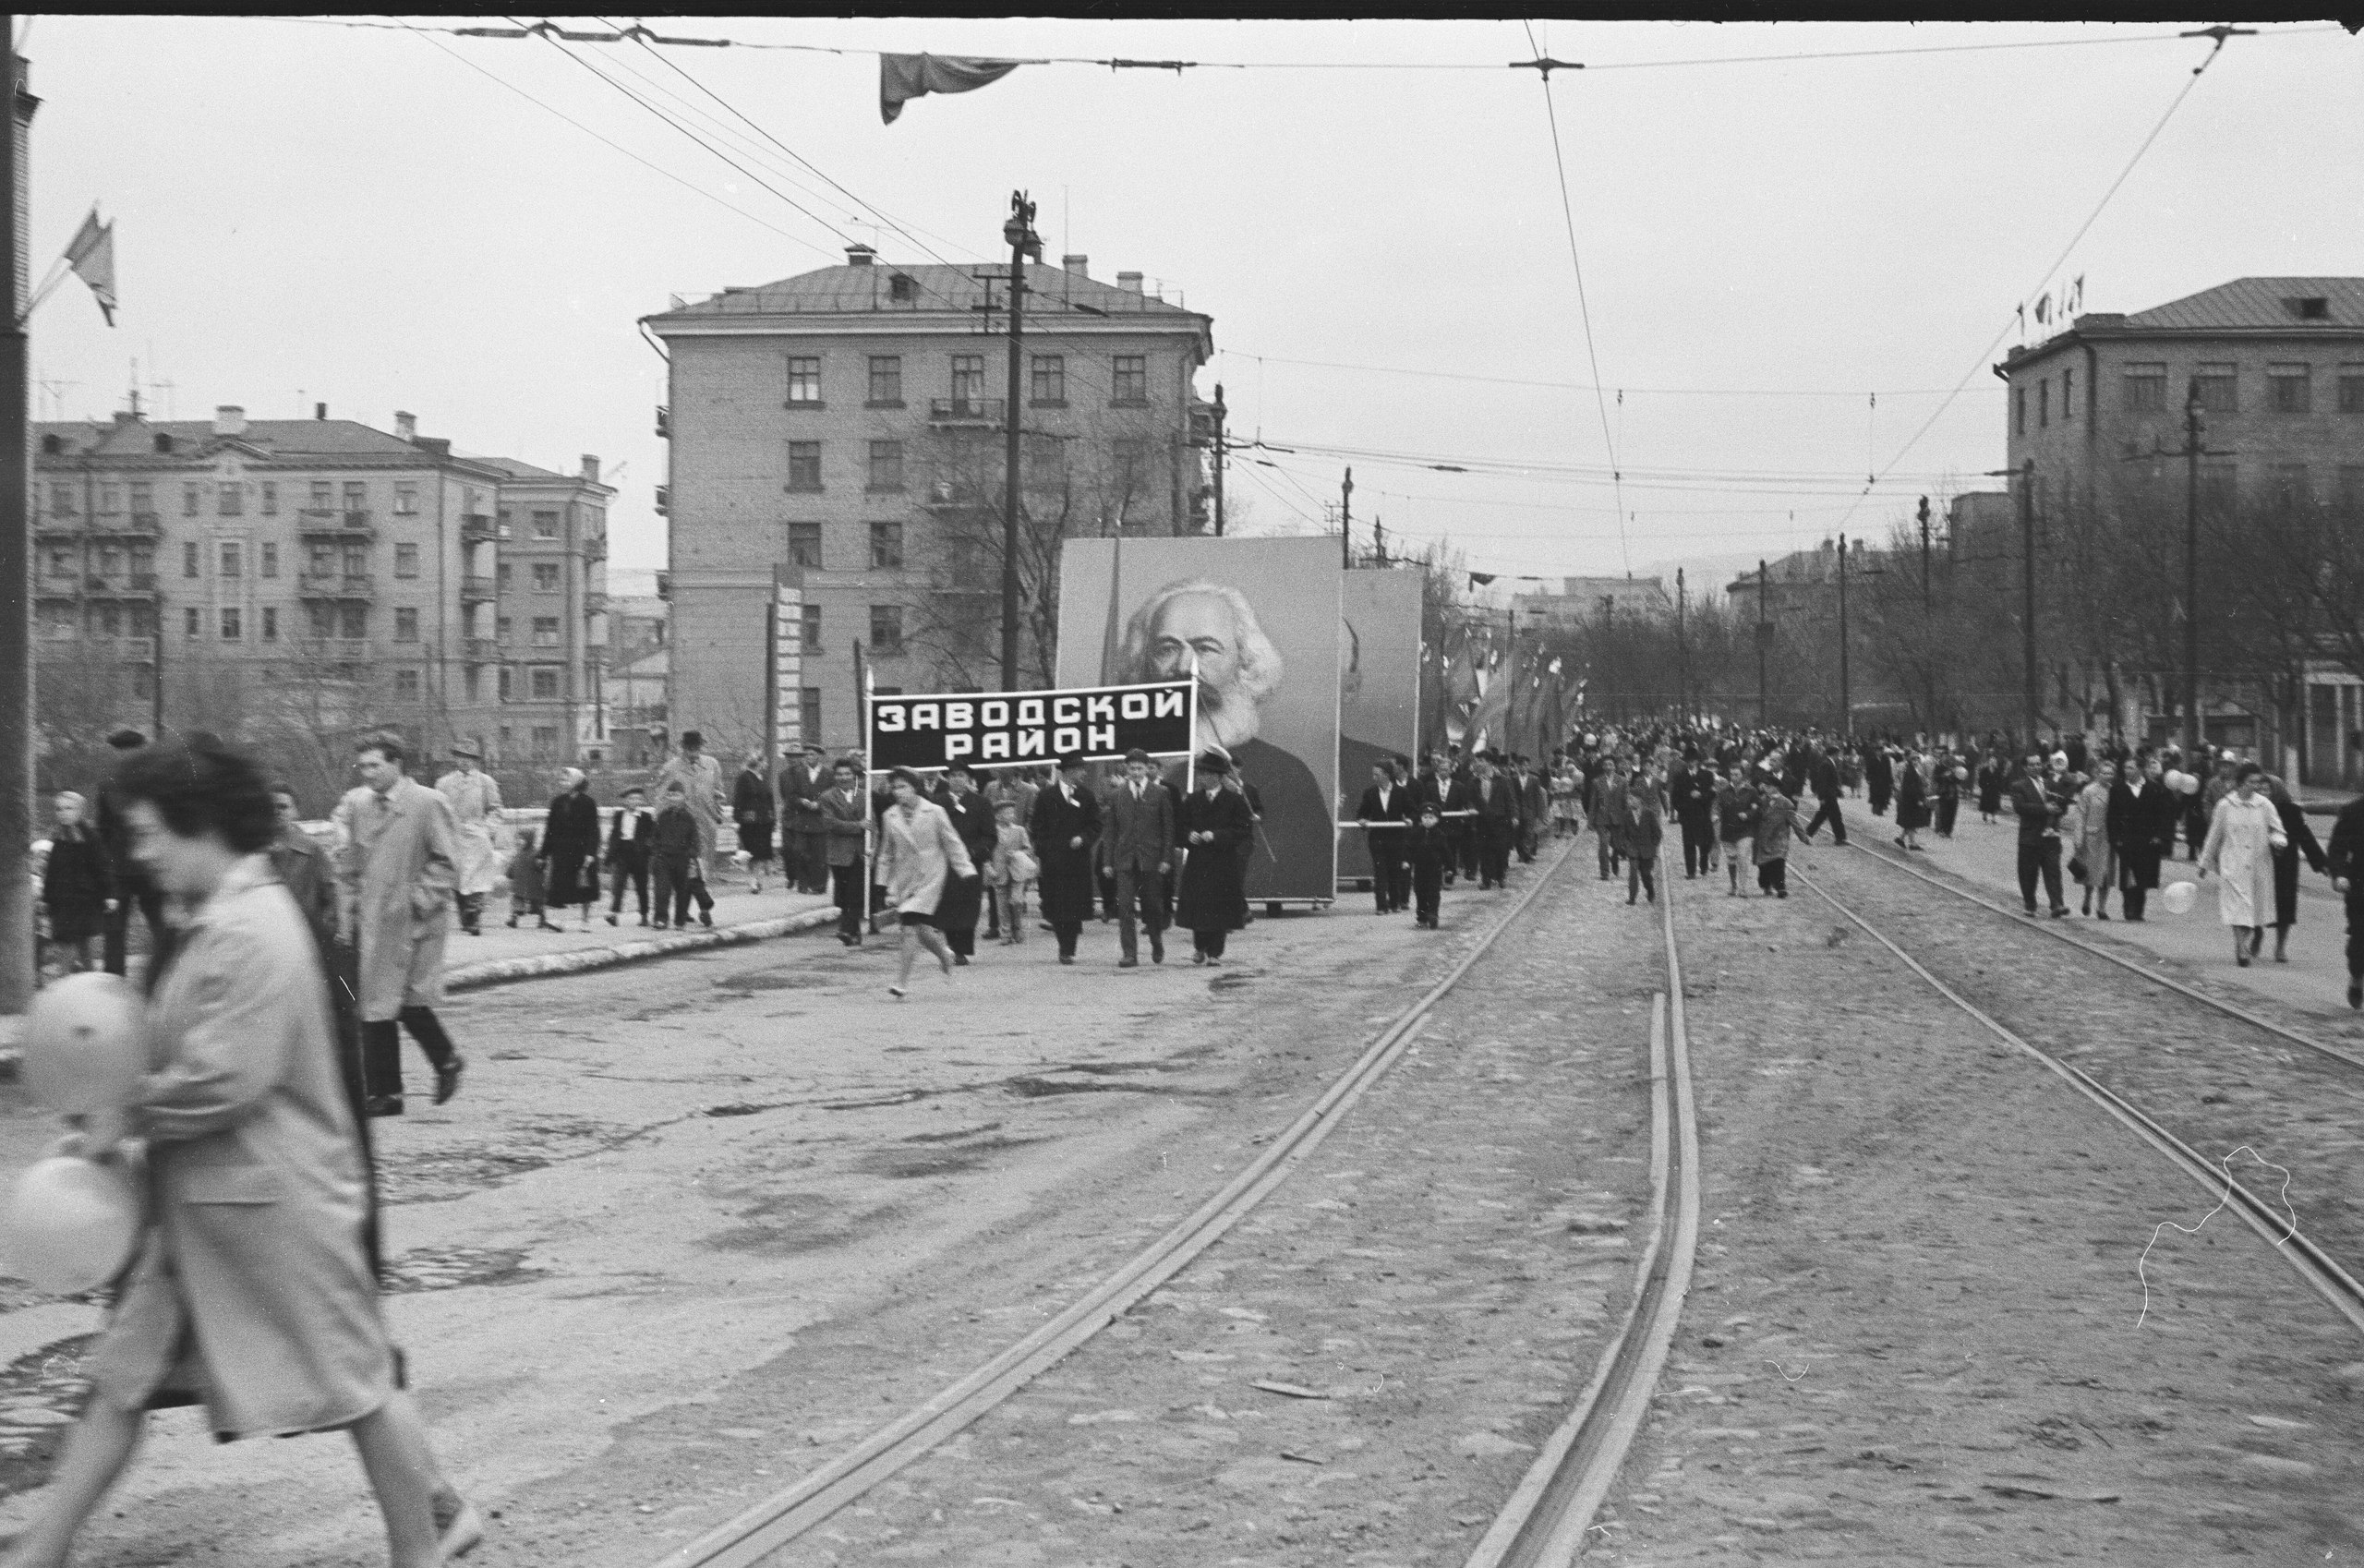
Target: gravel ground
(1362, 1370)
(1918, 1333)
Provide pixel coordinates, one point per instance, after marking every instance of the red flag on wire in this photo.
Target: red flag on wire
(902, 77)
(92, 258)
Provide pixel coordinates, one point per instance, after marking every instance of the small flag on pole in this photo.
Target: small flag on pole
(902, 77)
(92, 258)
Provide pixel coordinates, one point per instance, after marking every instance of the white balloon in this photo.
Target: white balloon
(2190, 785)
(84, 1044)
(2179, 896)
(72, 1226)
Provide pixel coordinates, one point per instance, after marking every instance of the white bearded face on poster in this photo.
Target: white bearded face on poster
(1238, 667)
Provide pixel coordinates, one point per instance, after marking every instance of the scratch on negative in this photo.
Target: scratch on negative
(2225, 1164)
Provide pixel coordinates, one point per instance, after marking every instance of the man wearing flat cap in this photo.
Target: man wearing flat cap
(1213, 825)
(476, 804)
(1066, 828)
(1137, 847)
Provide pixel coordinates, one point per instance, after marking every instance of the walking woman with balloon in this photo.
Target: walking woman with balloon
(247, 1288)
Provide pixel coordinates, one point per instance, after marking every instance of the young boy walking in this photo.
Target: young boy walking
(1429, 850)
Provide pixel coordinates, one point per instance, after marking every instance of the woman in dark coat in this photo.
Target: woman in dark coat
(77, 886)
(1064, 826)
(1912, 802)
(1213, 823)
(1949, 769)
(972, 819)
(2286, 863)
(1879, 775)
(750, 804)
(1990, 788)
(571, 847)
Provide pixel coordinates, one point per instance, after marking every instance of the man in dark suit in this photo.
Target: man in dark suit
(1065, 829)
(804, 839)
(964, 897)
(1824, 772)
(2141, 825)
(1692, 795)
(1496, 802)
(629, 842)
(1136, 849)
(1387, 800)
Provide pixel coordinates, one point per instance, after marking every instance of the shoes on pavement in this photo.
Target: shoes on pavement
(2103, 915)
(458, 1528)
(897, 992)
(545, 926)
(1196, 957)
(706, 918)
(1066, 958)
(961, 960)
(611, 919)
(660, 925)
(1781, 892)
(2061, 912)
(1129, 963)
(382, 1105)
(2355, 991)
(447, 1077)
(643, 920)
(1156, 948)
(512, 923)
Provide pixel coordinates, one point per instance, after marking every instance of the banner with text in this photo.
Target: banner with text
(1001, 729)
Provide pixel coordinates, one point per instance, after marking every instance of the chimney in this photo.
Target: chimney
(860, 255)
(1080, 265)
(229, 420)
(405, 425)
(590, 468)
(320, 411)
(1129, 282)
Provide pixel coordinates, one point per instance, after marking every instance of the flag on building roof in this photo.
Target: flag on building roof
(902, 77)
(92, 258)
(1480, 579)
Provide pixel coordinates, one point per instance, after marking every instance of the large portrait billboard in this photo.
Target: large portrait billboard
(1260, 615)
(1379, 692)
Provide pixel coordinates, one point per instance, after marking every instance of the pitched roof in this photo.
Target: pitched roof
(281, 438)
(2255, 303)
(516, 469)
(935, 290)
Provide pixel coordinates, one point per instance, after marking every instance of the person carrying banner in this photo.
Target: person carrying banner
(1384, 803)
(1215, 821)
(1066, 828)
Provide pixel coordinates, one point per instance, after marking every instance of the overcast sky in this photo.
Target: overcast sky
(312, 212)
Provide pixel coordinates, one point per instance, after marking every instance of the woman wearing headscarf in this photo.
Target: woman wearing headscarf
(1211, 824)
(2299, 840)
(570, 846)
(2242, 836)
(919, 851)
(78, 882)
(2085, 830)
(1912, 802)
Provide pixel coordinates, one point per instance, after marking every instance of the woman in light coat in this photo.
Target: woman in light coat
(918, 850)
(250, 1293)
(2086, 832)
(2242, 836)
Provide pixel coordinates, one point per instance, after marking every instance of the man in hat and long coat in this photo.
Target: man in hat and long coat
(1214, 820)
(396, 869)
(475, 807)
(1065, 830)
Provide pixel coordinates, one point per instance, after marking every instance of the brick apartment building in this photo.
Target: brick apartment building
(2277, 365)
(849, 423)
(316, 573)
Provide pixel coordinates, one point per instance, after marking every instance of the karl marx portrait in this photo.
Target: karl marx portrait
(1239, 672)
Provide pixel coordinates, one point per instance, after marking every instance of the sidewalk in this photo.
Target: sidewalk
(1986, 855)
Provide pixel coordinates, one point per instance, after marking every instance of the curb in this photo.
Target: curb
(502, 971)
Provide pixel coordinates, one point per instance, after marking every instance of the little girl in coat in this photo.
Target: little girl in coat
(526, 888)
(1011, 873)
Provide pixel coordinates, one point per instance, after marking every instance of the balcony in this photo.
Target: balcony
(478, 590)
(336, 525)
(964, 411)
(58, 589)
(476, 528)
(123, 584)
(943, 495)
(664, 423)
(56, 527)
(337, 585)
(594, 602)
(145, 523)
(125, 650)
(346, 650)
(664, 585)
(595, 547)
(480, 649)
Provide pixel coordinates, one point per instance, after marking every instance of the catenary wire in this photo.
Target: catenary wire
(1574, 386)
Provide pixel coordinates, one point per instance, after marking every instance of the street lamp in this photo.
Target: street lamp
(1023, 242)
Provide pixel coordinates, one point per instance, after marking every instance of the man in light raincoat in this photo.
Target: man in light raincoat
(475, 806)
(396, 867)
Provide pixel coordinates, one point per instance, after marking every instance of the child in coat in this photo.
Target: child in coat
(1430, 849)
(526, 888)
(679, 868)
(1642, 833)
(78, 888)
(1777, 822)
(1011, 871)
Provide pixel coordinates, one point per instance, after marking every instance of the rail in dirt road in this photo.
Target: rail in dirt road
(2052, 929)
(1544, 1523)
(758, 1531)
(2320, 1272)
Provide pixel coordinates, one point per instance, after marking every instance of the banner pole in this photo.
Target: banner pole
(1191, 762)
(869, 757)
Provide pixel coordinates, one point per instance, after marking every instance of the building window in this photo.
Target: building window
(804, 544)
(1050, 385)
(2146, 388)
(191, 500)
(2288, 389)
(545, 735)
(62, 562)
(2019, 411)
(269, 559)
(1131, 388)
(1129, 470)
(405, 685)
(886, 546)
(188, 559)
(804, 465)
(61, 500)
(545, 630)
(2218, 387)
(887, 628)
(323, 621)
(407, 625)
(508, 690)
(270, 498)
(805, 380)
(231, 560)
(194, 621)
(323, 560)
(2044, 403)
(2219, 484)
(546, 525)
(968, 378)
(2287, 484)
(405, 561)
(356, 560)
(407, 505)
(472, 678)
(885, 380)
(110, 499)
(885, 466)
(323, 496)
(545, 576)
(500, 577)
(144, 500)
(545, 682)
(230, 626)
(811, 614)
(2068, 396)
(2351, 389)
(270, 623)
(356, 496)
(502, 628)
(808, 714)
(353, 620)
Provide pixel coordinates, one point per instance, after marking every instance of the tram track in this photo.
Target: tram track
(2311, 1260)
(757, 1532)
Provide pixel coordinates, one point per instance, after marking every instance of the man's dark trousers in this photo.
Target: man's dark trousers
(848, 882)
(2355, 930)
(116, 940)
(1391, 872)
(2041, 857)
(1698, 847)
(1144, 890)
(1829, 813)
(1428, 885)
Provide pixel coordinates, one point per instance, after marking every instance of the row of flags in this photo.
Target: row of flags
(2050, 307)
(1486, 686)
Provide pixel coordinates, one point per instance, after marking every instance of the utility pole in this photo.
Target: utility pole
(1924, 553)
(1347, 522)
(16, 975)
(1764, 636)
(2193, 429)
(1379, 541)
(2027, 585)
(1020, 232)
(1682, 654)
(1219, 416)
(1845, 707)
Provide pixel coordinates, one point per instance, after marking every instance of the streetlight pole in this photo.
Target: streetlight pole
(2027, 594)
(2193, 429)
(1682, 654)
(1220, 411)
(1845, 707)
(1924, 553)
(1020, 232)
(17, 977)
(1764, 636)
(1347, 522)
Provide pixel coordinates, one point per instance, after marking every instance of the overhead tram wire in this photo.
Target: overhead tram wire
(1579, 386)
(1584, 306)
(1987, 354)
